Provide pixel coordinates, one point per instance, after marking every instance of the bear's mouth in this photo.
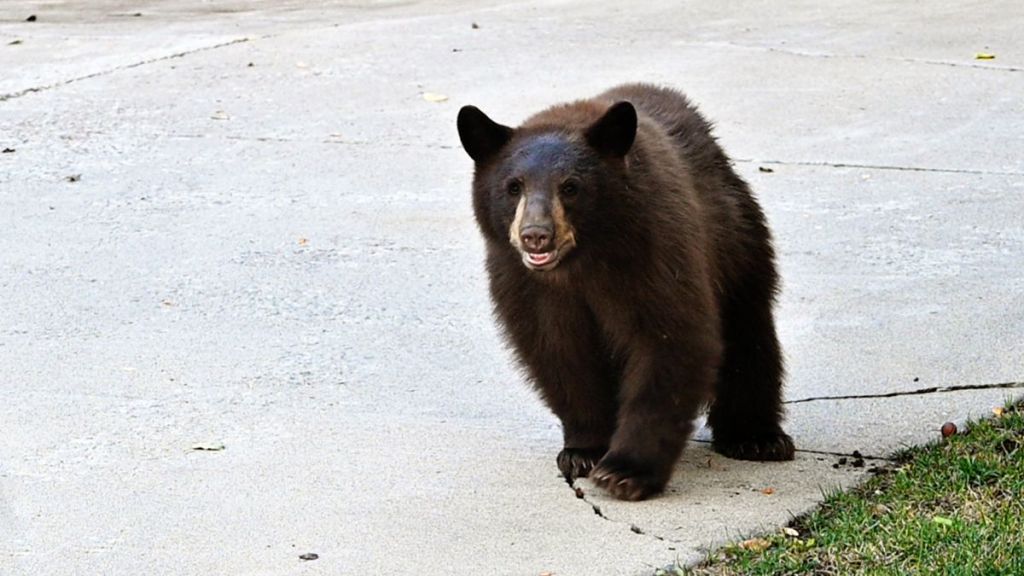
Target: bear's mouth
(539, 260)
(545, 260)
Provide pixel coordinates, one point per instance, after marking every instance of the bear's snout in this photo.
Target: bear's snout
(536, 238)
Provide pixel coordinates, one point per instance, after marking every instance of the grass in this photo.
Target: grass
(951, 508)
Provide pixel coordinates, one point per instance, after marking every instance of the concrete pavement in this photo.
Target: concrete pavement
(240, 224)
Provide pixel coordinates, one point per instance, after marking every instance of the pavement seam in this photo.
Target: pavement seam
(854, 454)
(287, 139)
(925, 61)
(438, 146)
(877, 167)
(918, 392)
(632, 527)
(826, 55)
(27, 91)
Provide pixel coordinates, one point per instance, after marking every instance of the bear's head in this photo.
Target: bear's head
(541, 189)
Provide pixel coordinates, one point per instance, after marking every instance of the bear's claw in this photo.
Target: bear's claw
(769, 447)
(627, 479)
(578, 462)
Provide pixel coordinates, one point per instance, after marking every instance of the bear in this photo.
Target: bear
(633, 274)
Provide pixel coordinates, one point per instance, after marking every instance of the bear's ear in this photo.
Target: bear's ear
(614, 133)
(481, 136)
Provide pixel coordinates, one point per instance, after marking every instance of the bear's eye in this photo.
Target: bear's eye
(570, 189)
(515, 188)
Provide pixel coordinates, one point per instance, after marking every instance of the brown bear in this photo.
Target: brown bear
(633, 274)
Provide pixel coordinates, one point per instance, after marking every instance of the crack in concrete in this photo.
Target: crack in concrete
(878, 167)
(878, 463)
(438, 146)
(918, 392)
(853, 454)
(26, 91)
(632, 527)
(926, 61)
(333, 142)
(828, 56)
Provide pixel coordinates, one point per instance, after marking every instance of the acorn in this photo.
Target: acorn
(948, 429)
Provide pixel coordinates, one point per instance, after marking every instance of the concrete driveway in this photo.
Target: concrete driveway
(243, 314)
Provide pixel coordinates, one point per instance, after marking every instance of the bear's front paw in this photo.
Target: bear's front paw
(628, 479)
(767, 447)
(578, 462)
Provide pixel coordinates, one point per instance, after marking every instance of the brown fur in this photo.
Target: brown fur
(661, 299)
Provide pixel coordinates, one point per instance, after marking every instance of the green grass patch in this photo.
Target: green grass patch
(954, 507)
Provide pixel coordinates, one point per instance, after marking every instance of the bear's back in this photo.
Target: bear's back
(680, 120)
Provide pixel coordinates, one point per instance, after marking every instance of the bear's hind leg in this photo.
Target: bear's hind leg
(746, 414)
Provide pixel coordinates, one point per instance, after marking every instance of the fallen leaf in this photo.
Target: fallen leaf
(303, 241)
(942, 520)
(998, 412)
(14, 42)
(755, 544)
(73, 178)
(8, 151)
(208, 447)
(220, 115)
(791, 532)
(434, 97)
(984, 56)
(879, 510)
(768, 491)
(765, 169)
(309, 556)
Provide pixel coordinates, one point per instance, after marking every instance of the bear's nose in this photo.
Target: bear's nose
(535, 238)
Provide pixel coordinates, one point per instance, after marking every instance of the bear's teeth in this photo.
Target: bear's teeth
(539, 258)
